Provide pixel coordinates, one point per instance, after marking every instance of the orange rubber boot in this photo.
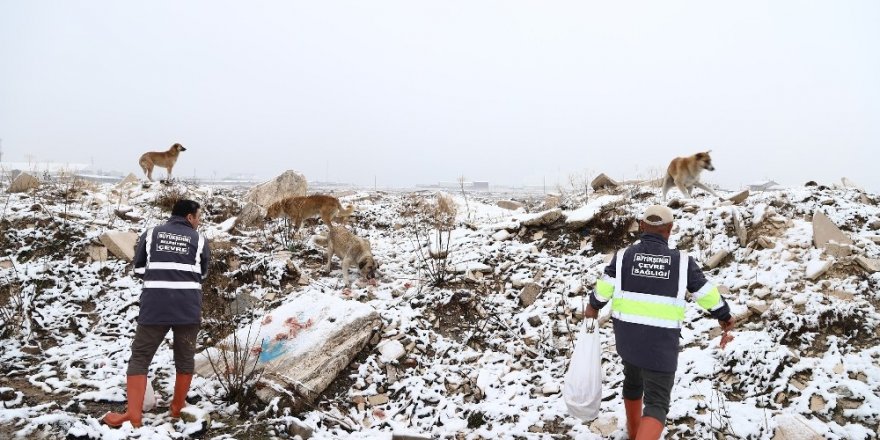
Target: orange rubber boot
(633, 416)
(136, 386)
(650, 429)
(181, 387)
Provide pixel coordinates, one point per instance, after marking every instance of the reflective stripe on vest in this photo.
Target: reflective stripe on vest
(647, 309)
(604, 288)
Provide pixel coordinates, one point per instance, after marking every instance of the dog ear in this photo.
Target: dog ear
(361, 264)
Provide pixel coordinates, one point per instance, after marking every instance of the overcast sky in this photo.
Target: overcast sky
(418, 92)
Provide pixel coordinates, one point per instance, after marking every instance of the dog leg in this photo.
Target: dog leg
(685, 191)
(329, 256)
(706, 188)
(667, 184)
(345, 264)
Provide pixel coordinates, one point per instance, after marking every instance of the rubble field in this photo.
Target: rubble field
(466, 333)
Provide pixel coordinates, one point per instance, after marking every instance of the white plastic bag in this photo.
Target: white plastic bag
(149, 397)
(582, 390)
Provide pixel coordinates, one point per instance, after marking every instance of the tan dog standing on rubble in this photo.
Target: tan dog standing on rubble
(350, 249)
(300, 208)
(163, 159)
(684, 173)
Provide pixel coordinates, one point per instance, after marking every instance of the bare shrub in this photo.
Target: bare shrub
(235, 363)
(167, 197)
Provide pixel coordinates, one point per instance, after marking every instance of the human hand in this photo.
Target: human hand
(590, 312)
(726, 327)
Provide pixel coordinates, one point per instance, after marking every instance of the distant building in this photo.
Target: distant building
(476, 185)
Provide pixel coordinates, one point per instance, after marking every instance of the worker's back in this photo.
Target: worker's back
(649, 302)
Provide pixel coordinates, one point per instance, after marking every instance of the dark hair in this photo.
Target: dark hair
(184, 208)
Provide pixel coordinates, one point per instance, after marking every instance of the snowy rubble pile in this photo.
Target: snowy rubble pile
(480, 356)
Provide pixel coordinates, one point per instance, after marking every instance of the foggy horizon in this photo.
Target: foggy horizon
(513, 93)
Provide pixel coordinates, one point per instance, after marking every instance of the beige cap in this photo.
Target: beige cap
(657, 215)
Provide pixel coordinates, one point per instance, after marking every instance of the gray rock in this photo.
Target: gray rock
(251, 214)
(298, 428)
(509, 204)
(529, 294)
(24, 182)
(602, 181)
(545, 218)
(288, 184)
(869, 264)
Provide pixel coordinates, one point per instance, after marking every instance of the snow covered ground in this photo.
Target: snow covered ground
(479, 357)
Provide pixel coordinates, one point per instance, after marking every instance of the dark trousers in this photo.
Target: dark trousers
(147, 339)
(655, 387)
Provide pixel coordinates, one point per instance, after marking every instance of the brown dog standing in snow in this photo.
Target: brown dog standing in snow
(163, 159)
(298, 209)
(684, 173)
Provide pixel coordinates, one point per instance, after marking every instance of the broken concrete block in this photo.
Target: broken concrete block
(869, 264)
(580, 217)
(391, 351)
(6, 264)
(602, 181)
(550, 389)
(509, 204)
(817, 403)
(742, 233)
(378, 399)
(796, 427)
(826, 235)
(716, 259)
(501, 235)
(130, 179)
(97, 253)
(288, 184)
(551, 202)
(544, 218)
(766, 243)
(817, 268)
(302, 345)
(120, 244)
(24, 182)
(529, 294)
(604, 425)
(739, 197)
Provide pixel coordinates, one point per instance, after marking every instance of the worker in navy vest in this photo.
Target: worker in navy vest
(646, 285)
(172, 259)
